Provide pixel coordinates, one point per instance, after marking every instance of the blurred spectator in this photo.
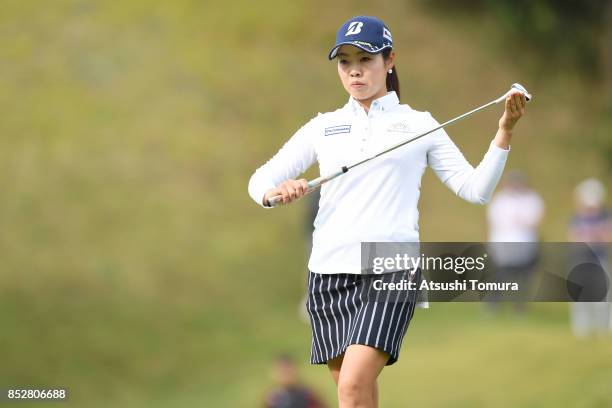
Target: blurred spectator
(592, 223)
(514, 215)
(289, 393)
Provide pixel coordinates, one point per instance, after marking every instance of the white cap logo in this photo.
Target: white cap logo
(354, 28)
(387, 34)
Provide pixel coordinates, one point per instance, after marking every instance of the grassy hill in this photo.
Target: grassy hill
(137, 272)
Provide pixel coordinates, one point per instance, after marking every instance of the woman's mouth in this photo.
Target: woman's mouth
(357, 85)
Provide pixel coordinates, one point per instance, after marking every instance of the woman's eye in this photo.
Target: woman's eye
(343, 62)
(365, 59)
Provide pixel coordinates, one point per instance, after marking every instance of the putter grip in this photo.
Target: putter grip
(312, 185)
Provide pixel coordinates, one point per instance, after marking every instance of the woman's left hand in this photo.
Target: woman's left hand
(515, 108)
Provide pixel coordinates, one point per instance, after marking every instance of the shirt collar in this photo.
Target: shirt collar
(384, 103)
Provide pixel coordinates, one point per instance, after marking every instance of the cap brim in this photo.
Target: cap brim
(334, 51)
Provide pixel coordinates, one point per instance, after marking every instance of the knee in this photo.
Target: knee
(353, 393)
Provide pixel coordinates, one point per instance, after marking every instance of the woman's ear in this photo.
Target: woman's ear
(390, 62)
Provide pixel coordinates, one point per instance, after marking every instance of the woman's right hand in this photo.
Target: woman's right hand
(289, 190)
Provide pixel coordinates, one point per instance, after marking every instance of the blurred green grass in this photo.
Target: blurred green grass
(137, 272)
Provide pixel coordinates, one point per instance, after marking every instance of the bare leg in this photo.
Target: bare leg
(360, 367)
(375, 394)
(334, 367)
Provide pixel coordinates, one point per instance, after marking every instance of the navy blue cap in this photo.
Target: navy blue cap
(366, 32)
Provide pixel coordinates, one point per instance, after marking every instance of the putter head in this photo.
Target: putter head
(515, 87)
(522, 90)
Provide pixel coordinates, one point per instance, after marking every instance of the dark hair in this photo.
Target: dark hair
(392, 79)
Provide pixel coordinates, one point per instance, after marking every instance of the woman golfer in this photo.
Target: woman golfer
(356, 335)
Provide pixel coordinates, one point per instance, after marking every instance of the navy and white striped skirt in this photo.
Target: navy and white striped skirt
(347, 309)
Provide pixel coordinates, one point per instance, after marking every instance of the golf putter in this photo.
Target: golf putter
(317, 182)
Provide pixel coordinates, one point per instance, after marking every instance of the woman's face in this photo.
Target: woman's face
(363, 75)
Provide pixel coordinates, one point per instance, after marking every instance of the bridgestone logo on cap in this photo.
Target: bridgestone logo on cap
(354, 28)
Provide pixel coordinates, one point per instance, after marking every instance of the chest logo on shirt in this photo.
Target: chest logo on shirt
(401, 127)
(334, 130)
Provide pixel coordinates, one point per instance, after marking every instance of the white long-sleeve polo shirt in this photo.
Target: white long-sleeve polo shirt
(377, 201)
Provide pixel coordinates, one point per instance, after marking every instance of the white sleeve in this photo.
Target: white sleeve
(475, 185)
(293, 159)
